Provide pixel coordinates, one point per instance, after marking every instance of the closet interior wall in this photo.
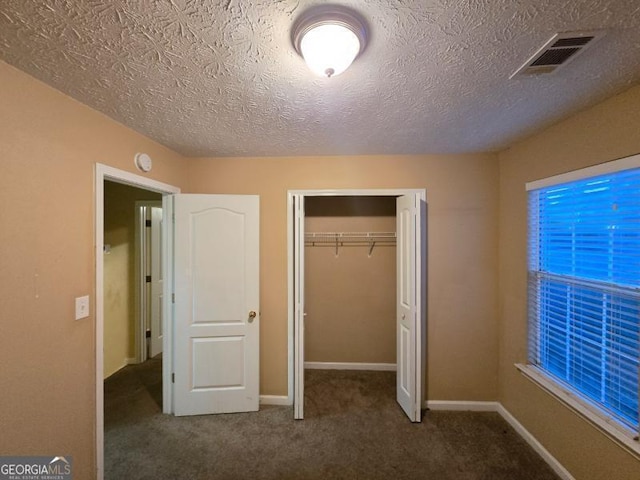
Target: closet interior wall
(350, 298)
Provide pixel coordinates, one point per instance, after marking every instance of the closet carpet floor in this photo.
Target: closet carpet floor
(353, 429)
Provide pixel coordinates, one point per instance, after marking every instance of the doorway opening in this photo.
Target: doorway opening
(132, 290)
(401, 214)
(129, 258)
(106, 175)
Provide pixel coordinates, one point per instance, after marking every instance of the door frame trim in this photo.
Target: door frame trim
(102, 174)
(292, 266)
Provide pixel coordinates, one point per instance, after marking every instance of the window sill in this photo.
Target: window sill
(624, 437)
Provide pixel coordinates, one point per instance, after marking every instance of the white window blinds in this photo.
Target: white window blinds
(584, 289)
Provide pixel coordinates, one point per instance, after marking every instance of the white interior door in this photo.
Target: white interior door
(298, 292)
(409, 309)
(157, 275)
(216, 305)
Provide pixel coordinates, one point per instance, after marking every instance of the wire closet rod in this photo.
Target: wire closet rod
(339, 239)
(349, 236)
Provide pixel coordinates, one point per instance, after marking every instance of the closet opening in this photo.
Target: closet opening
(357, 294)
(350, 301)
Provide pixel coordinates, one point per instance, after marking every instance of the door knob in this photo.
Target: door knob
(252, 315)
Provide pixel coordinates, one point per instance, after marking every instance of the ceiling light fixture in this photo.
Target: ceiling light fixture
(329, 38)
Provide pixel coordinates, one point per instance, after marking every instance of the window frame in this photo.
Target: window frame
(608, 424)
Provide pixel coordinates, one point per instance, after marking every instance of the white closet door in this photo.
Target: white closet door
(408, 321)
(298, 287)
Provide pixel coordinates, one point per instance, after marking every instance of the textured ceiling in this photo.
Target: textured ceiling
(221, 78)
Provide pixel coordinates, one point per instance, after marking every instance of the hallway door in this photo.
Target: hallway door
(157, 279)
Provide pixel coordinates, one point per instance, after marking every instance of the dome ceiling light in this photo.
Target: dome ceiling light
(329, 38)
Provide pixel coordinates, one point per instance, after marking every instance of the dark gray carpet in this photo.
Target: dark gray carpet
(353, 430)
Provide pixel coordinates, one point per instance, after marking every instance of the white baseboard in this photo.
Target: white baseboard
(535, 444)
(275, 400)
(462, 406)
(391, 367)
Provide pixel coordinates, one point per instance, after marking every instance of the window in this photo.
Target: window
(584, 286)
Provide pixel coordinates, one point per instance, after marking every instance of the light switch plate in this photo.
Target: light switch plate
(82, 307)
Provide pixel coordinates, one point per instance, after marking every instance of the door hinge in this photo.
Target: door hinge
(148, 334)
(173, 298)
(173, 378)
(147, 223)
(148, 278)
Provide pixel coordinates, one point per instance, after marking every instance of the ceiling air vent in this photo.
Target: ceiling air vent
(558, 51)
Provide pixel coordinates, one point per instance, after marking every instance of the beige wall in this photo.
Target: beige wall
(119, 273)
(350, 299)
(462, 195)
(603, 133)
(49, 145)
